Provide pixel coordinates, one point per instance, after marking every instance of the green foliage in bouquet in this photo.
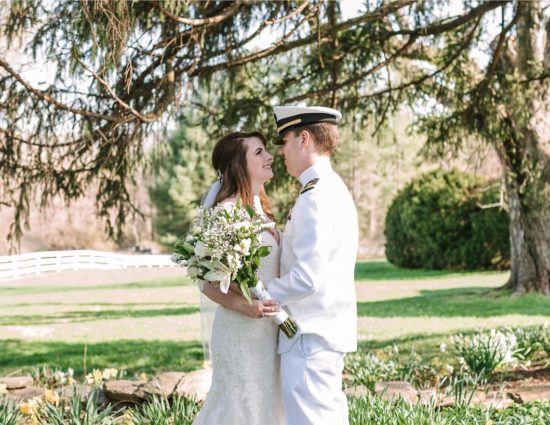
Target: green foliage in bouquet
(438, 222)
(224, 246)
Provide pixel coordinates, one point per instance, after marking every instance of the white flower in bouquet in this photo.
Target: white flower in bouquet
(201, 250)
(243, 247)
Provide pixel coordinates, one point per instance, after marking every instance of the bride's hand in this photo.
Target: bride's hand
(259, 309)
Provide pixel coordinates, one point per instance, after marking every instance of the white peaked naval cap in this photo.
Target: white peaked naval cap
(288, 117)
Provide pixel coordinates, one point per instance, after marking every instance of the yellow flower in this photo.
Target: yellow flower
(51, 397)
(3, 389)
(127, 418)
(70, 380)
(143, 376)
(30, 408)
(96, 377)
(25, 408)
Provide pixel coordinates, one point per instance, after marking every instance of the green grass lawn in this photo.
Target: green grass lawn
(147, 321)
(134, 356)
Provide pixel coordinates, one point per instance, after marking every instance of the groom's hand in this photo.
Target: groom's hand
(259, 309)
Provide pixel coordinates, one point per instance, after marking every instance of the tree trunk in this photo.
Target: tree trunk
(525, 156)
(530, 245)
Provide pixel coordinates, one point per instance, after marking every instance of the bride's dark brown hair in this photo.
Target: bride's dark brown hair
(229, 160)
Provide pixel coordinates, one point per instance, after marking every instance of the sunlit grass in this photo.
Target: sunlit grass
(7, 289)
(378, 270)
(458, 302)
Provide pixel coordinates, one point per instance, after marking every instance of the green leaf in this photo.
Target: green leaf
(250, 211)
(246, 292)
(263, 251)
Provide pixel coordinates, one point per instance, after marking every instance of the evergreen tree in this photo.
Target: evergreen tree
(182, 174)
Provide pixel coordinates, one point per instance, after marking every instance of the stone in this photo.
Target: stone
(24, 394)
(394, 390)
(496, 400)
(100, 397)
(357, 391)
(195, 384)
(474, 399)
(17, 382)
(468, 398)
(69, 392)
(427, 397)
(528, 393)
(446, 401)
(123, 390)
(162, 385)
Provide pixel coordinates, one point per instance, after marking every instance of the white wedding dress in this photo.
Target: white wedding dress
(245, 386)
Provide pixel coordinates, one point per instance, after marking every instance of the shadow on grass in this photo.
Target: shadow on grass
(458, 302)
(88, 316)
(384, 270)
(134, 356)
(48, 289)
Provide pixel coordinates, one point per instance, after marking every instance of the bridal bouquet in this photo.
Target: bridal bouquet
(224, 246)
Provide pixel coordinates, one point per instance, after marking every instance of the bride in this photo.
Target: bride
(245, 365)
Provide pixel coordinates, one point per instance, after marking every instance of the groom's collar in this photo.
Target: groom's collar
(320, 168)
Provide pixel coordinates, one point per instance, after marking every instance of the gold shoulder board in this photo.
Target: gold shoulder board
(309, 185)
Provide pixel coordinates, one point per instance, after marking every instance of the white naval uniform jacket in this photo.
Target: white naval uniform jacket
(319, 249)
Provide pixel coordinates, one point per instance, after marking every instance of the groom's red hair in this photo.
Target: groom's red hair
(229, 159)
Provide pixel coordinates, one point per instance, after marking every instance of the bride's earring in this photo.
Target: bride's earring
(220, 176)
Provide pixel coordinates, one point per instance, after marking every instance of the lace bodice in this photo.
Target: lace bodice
(270, 264)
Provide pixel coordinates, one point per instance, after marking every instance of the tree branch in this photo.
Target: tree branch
(113, 95)
(227, 13)
(421, 80)
(356, 78)
(324, 30)
(49, 99)
(439, 28)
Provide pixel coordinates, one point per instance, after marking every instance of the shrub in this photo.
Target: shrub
(51, 409)
(181, 411)
(369, 368)
(436, 222)
(528, 342)
(373, 410)
(485, 351)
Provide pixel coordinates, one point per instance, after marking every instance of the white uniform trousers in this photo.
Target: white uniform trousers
(311, 378)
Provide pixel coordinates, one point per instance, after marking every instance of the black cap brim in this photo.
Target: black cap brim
(278, 140)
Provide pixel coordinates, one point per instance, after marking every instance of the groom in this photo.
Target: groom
(316, 287)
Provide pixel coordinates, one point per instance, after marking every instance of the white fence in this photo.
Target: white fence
(14, 266)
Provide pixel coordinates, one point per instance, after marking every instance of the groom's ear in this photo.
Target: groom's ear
(305, 139)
